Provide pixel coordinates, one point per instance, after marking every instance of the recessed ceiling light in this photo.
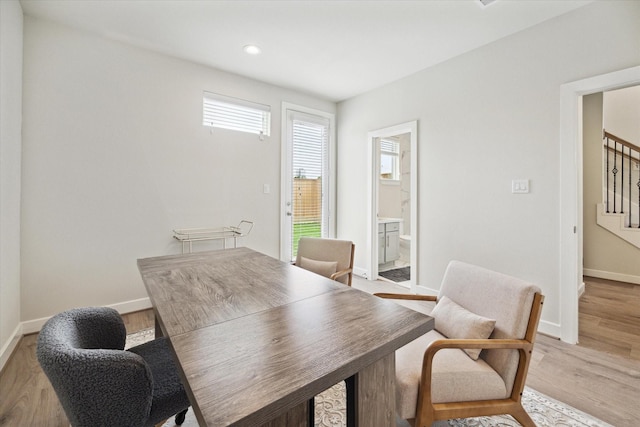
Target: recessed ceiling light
(252, 49)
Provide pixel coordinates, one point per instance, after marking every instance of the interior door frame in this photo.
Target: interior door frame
(571, 188)
(373, 165)
(286, 174)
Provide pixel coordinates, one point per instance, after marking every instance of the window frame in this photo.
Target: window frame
(226, 112)
(395, 161)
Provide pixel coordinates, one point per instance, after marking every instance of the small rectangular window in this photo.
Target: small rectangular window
(389, 161)
(235, 114)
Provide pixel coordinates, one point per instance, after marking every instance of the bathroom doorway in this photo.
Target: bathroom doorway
(393, 218)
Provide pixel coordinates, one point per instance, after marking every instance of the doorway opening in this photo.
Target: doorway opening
(571, 192)
(392, 236)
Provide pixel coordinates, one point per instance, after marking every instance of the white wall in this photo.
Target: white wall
(496, 111)
(621, 111)
(10, 151)
(115, 157)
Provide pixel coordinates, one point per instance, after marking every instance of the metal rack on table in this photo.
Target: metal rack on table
(190, 235)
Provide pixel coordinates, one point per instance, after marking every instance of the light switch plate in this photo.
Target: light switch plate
(520, 186)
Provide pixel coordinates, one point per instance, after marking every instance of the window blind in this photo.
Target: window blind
(389, 146)
(389, 160)
(235, 114)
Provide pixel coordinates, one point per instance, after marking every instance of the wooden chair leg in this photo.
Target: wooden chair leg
(523, 418)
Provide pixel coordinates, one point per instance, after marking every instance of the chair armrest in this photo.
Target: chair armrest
(425, 404)
(341, 273)
(523, 346)
(116, 381)
(406, 296)
(485, 344)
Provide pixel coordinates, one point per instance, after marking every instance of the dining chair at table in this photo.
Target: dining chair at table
(331, 258)
(99, 383)
(475, 361)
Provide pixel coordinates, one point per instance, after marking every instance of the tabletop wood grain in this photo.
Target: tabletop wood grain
(197, 290)
(255, 336)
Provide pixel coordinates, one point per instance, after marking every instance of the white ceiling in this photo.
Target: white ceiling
(334, 49)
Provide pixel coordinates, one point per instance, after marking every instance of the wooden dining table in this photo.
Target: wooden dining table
(256, 338)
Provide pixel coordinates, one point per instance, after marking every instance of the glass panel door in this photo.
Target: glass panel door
(307, 176)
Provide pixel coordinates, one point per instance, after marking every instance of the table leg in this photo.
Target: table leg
(372, 395)
(158, 330)
(297, 416)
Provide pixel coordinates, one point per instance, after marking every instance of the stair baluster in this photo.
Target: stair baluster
(631, 152)
(630, 187)
(615, 173)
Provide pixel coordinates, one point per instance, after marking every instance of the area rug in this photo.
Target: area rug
(397, 274)
(330, 407)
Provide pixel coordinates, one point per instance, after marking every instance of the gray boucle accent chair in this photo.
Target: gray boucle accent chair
(98, 382)
(331, 258)
(475, 361)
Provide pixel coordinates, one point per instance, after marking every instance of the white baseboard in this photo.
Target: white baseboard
(132, 306)
(581, 290)
(549, 328)
(362, 272)
(423, 290)
(628, 278)
(33, 326)
(11, 344)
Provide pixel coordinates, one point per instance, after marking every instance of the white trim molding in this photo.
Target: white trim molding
(360, 272)
(33, 326)
(609, 275)
(411, 128)
(550, 328)
(11, 344)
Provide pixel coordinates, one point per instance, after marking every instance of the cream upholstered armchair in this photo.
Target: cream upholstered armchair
(331, 258)
(475, 361)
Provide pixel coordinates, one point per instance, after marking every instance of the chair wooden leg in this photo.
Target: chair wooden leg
(523, 418)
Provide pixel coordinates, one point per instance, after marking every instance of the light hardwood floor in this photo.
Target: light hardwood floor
(600, 376)
(610, 317)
